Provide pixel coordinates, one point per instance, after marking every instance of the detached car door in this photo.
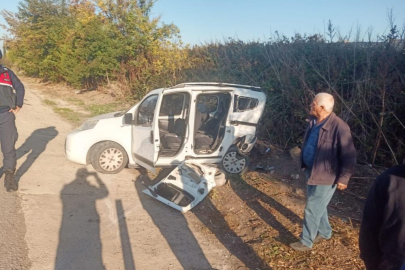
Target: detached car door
(185, 187)
(145, 132)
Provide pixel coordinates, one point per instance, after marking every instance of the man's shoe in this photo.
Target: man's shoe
(319, 239)
(298, 246)
(9, 181)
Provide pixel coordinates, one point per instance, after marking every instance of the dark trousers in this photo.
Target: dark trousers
(8, 137)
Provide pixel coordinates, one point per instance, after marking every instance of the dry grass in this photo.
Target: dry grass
(77, 106)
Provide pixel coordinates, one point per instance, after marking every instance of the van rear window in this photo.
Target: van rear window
(245, 103)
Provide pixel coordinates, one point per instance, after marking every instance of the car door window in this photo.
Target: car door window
(207, 103)
(172, 105)
(146, 111)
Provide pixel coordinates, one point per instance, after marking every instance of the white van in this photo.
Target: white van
(205, 123)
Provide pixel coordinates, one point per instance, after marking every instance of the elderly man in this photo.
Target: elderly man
(328, 157)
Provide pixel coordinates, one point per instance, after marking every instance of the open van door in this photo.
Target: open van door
(145, 132)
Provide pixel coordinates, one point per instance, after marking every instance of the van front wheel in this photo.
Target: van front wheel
(234, 162)
(109, 158)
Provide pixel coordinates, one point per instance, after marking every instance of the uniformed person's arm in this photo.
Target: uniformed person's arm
(19, 88)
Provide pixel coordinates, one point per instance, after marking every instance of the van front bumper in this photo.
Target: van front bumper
(75, 148)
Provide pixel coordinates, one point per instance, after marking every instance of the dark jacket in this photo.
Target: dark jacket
(382, 232)
(335, 157)
(8, 81)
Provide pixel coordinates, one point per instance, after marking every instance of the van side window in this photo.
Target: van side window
(245, 103)
(172, 105)
(146, 111)
(207, 103)
(253, 103)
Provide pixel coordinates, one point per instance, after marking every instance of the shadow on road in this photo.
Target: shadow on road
(35, 144)
(79, 236)
(216, 223)
(255, 199)
(124, 235)
(173, 226)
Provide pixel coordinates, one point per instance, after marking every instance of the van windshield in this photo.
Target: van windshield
(121, 113)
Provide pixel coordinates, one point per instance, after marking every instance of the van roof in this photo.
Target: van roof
(216, 84)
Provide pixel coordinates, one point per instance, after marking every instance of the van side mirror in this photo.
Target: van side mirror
(128, 119)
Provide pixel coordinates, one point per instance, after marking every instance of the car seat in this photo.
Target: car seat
(201, 139)
(173, 139)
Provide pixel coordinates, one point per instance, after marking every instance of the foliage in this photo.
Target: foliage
(87, 43)
(366, 78)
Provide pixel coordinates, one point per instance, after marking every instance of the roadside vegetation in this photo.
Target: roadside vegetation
(72, 116)
(76, 110)
(90, 44)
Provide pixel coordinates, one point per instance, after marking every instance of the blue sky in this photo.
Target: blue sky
(205, 20)
(213, 20)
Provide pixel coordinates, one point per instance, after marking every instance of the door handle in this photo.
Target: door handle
(151, 137)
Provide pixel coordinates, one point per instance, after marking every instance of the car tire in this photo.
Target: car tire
(109, 158)
(234, 162)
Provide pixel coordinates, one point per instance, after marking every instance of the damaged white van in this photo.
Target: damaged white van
(205, 123)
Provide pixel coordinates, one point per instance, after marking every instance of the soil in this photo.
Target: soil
(13, 248)
(259, 214)
(66, 212)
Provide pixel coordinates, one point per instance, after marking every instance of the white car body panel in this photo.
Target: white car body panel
(189, 179)
(145, 139)
(110, 128)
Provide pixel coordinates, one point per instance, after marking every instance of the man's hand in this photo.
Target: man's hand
(15, 110)
(341, 186)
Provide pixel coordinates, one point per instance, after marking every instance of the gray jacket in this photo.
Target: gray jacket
(335, 156)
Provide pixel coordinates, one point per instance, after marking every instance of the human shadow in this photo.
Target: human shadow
(214, 220)
(216, 223)
(172, 225)
(35, 144)
(124, 236)
(79, 236)
(255, 199)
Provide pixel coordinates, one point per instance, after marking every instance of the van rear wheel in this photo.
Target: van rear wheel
(234, 162)
(109, 158)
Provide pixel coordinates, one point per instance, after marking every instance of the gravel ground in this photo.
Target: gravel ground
(13, 248)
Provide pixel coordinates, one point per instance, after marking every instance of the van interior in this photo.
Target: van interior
(210, 121)
(209, 126)
(173, 117)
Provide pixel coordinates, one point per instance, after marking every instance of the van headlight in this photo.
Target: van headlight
(88, 125)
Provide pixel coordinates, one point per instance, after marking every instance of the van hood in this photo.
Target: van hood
(107, 116)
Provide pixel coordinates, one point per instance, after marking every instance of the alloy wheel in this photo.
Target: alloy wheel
(233, 162)
(111, 159)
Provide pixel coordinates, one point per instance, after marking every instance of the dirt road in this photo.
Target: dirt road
(67, 216)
